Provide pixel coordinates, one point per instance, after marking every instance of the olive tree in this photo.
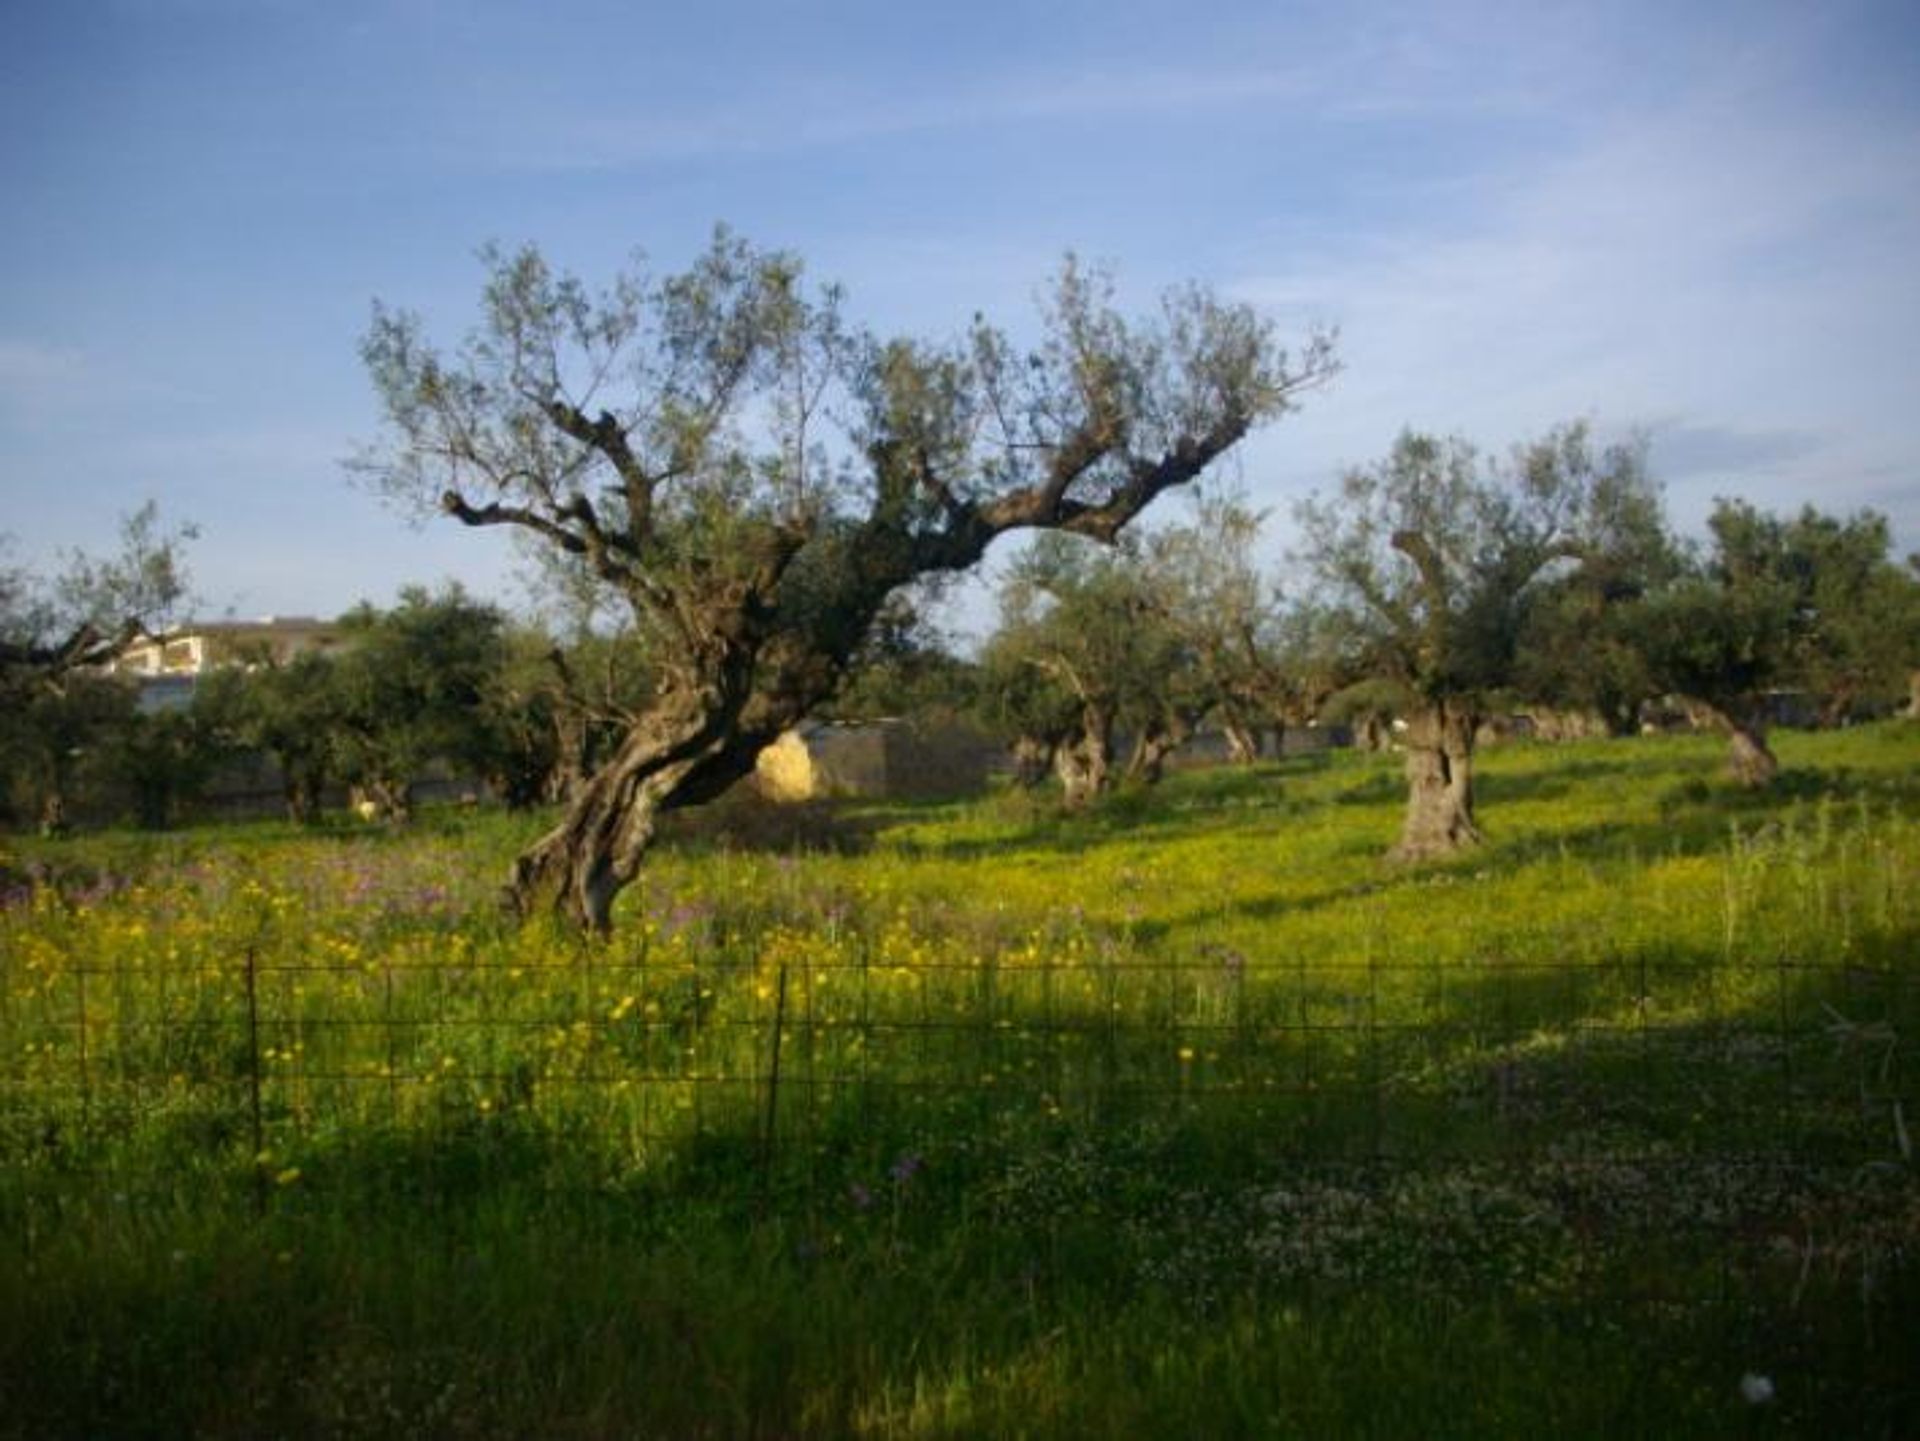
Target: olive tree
(1808, 601)
(1581, 650)
(1859, 613)
(287, 710)
(754, 477)
(1437, 555)
(56, 740)
(56, 633)
(1080, 653)
(409, 685)
(93, 608)
(1259, 660)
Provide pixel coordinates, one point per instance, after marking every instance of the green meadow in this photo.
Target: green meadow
(1189, 1116)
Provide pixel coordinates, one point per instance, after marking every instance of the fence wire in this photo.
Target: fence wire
(1386, 1062)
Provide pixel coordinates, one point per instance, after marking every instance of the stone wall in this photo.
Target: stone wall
(877, 760)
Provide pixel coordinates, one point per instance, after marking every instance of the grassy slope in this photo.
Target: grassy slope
(1564, 1137)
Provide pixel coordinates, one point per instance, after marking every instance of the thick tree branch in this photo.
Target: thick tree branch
(1426, 560)
(1047, 505)
(457, 506)
(604, 434)
(586, 542)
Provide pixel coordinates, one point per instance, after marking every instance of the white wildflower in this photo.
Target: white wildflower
(1756, 1389)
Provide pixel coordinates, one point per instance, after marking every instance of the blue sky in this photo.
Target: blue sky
(1700, 220)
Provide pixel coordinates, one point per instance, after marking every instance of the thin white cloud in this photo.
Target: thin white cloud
(29, 370)
(1747, 274)
(1312, 70)
(617, 134)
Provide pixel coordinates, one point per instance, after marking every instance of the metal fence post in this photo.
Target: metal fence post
(257, 1131)
(772, 1121)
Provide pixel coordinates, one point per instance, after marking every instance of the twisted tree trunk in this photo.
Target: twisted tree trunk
(1032, 760)
(1155, 743)
(388, 799)
(1439, 742)
(1148, 762)
(1084, 761)
(1750, 760)
(53, 813)
(1243, 746)
(690, 741)
(302, 788)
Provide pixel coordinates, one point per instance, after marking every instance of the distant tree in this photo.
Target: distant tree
(1313, 654)
(1436, 557)
(1859, 613)
(289, 711)
(57, 630)
(1083, 652)
(55, 738)
(1258, 660)
(1578, 650)
(1035, 714)
(522, 720)
(162, 761)
(1367, 708)
(755, 479)
(409, 687)
(905, 668)
(93, 609)
(555, 709)
(1811, 601)
(1201, 582)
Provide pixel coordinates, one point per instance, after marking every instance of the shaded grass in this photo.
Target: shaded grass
(495, 1322)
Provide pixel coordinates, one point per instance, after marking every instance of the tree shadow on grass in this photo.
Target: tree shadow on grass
(1192, 801)
(748, 822)
(1698, 815)
(1496, 785)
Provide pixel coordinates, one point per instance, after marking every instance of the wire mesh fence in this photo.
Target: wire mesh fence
(257, 1060)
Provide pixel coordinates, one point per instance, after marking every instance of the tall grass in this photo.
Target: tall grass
(1190, 1115)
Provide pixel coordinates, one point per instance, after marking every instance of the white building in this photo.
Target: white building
(195, 648)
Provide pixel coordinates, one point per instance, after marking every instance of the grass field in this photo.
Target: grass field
(1190, 1117)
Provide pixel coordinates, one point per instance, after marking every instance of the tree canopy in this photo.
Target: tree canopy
(1436, 556)
(95, 606)
(1775, 602)
(1081, 651)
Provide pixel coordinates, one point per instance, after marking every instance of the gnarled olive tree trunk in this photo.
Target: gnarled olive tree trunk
(1084, 761)
(689, 744)
(302, 788)
(1243, 746)
(387, 799)
(1154, 745)
(1147, 763)
(1439, 742)
(1032, 760)
(1754, 763)
(1751, 760)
